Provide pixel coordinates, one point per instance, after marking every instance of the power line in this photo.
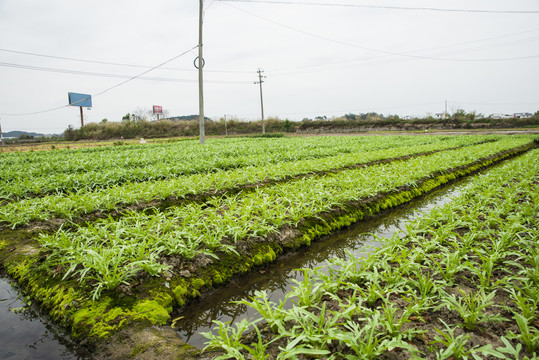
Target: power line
(285, 71)
(114, 63)
(377, 50)
(112, 87)
(36, 112)
(116, 76)
(387, 7)
(108, 75)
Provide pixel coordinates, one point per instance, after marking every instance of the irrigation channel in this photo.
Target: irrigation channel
(27, 334)
(278, 278)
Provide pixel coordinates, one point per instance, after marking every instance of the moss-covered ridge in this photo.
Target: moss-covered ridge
(152, 302)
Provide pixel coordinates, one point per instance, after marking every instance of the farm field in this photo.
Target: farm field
(462, 282)
(118, 237)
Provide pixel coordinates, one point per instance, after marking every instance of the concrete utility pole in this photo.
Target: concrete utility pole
(445, 112)
(260, 81)
(200, 78)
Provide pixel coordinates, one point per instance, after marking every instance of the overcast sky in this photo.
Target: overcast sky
(319, 60)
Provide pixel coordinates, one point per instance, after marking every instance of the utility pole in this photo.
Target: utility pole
(445, 112)
(81, 117)
(260, 81)
(200, 78)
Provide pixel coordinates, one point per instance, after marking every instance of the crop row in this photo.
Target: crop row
(37, 174)
(111, 251)
(73, 205)
(462, 283)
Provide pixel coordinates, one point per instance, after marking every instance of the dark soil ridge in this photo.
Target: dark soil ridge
(55, 223)
(194, 279)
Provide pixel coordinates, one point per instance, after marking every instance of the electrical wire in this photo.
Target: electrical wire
(115, 64)
(130, 78)
(386, 52)
(301, 69)
(117, 76)
(385, 7)
(36, 112)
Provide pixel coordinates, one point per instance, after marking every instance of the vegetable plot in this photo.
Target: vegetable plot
(50, 172)
(462, 283)
(111, 249)
(133, 243)
(74, 204)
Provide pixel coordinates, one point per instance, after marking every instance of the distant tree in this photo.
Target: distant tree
(287, 125)
(142, 114)
(373, 116)
(350, 116)
(69, 133)
(462, 115)
(104, 120)
(126, 117)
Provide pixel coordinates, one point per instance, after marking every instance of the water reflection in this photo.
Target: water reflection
(277, 279)
(25, 334)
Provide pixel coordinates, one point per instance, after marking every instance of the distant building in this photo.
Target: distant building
(439, 116)
(522, 115)
(500, 116)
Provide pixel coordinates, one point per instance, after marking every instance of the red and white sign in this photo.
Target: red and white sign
(157, 109)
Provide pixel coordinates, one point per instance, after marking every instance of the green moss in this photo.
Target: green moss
(179, 292)
(217, 278)
(98, 320)
(151, 311)
(197, 283)
(164, 299)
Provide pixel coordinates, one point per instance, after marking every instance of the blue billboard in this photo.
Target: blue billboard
(83, 100)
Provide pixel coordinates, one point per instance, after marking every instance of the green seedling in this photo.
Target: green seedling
(273, 314)
(456, 346)
(448, 265)
(294, 348)
(366, 341)
(526, 305)
(308, 292)
(471, 307)
(314, 329)
(393, 323)
(228, 338)
(529, 336)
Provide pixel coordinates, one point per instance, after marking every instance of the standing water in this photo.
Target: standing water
(25, 334)
(278, 278)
